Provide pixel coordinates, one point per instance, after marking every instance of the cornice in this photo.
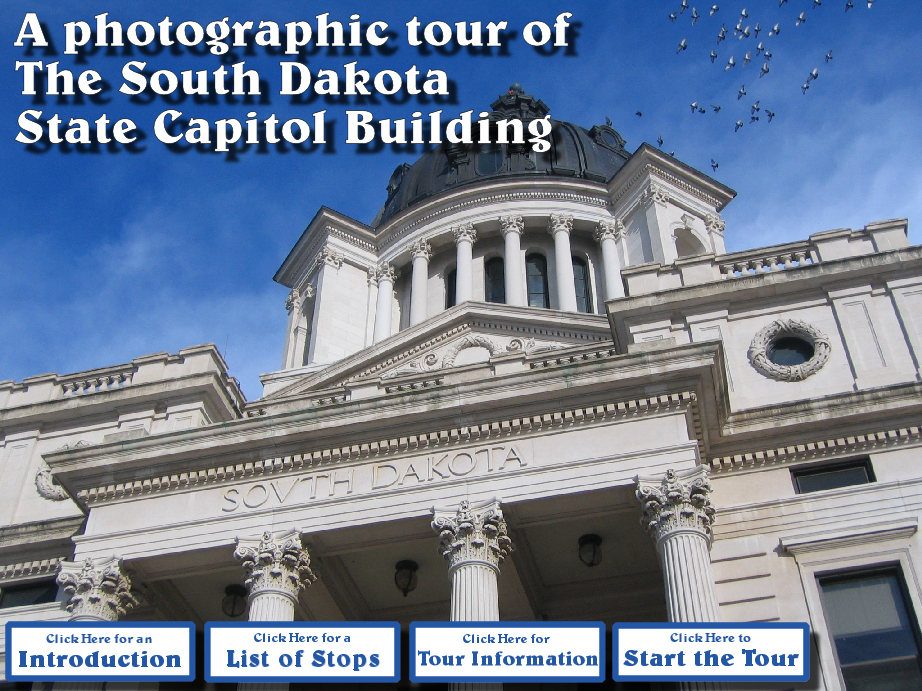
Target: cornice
(818, 448)
(496, 198)
(29, 569)
(388, 447)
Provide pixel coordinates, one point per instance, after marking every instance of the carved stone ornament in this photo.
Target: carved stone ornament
(472, 341)
(715, 224)
(293, 301)
(511, 224)
(472, 533)
(421, 248)
(386, 272)
(99, 590)
(676, 502)
(372, 275)
(560, 223)
(331, 257)
(465, 233)
(47, 487)
(758, 350)
(654, 194)
(277, 563)
(609, 230)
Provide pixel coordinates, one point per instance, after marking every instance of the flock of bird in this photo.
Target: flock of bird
(743, 31)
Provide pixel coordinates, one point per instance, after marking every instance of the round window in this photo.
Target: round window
(789, 351)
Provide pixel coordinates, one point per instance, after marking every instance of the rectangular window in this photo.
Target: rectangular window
(857, 472)
(874, 633)
(35, 593)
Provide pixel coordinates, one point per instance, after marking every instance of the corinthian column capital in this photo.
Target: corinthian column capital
(676, 502)
(97, 590)
(472, 533)
(609, 230)
(275, 564)
(511, 224)
(421, 248)
(386, 272)
(465, 233)
(560, 223)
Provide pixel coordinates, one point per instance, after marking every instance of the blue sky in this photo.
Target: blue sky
(111, 256)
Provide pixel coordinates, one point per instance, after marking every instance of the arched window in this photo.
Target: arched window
(536, 278)
(451, 281)
(494, 280)
(583, 288)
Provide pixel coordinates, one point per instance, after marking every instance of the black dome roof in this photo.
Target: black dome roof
(595, 154)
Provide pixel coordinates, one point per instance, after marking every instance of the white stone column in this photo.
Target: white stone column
(96, 591)
(512, 228)
(419, 294)
(385, 308)
(372, 305)
(277, 567)
(560, 227)
(608, 233)
(474, 540)
(678, 514)
(465, 236)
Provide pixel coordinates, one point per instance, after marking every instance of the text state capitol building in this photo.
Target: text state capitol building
(536, 387)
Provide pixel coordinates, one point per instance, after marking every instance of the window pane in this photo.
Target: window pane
(29, 594)
(832, 477)
(581, 279)
(536, 278)
(450, 284)
(873, 632)
(494, 287)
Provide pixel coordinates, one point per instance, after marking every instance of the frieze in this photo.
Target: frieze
(409, 472)
(384, 448)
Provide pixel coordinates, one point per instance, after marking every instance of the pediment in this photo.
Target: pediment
(467, 334)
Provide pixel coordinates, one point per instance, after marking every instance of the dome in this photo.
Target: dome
(595, 154)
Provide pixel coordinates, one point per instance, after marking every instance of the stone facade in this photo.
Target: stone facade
(656, 403)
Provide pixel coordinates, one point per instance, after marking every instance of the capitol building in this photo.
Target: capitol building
(536, 387)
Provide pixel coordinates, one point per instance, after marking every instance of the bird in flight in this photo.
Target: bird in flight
(714, 8)
(695, 16)
(759, 48)
(747, 58)
(764, 70)
(757, 30)
(744, 33)
(731, 63)
(716, 108)
(754, 118)
(770, 114)
(848, 5)
(638, 114)
(713, 55)
(694, 106)
(816, 3)
(781, 2)
(744, 13)
(768, 54)
(659, 141)
(755, 107)
(775, 30)
(870, 2)
(673, 16)
(682, 46)
(684, 7)
(739, 123)
(722, 35)
(714, 165)
(741, 93)
(801, 19)
(815, 74)
(805, 87)
(829, 56)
